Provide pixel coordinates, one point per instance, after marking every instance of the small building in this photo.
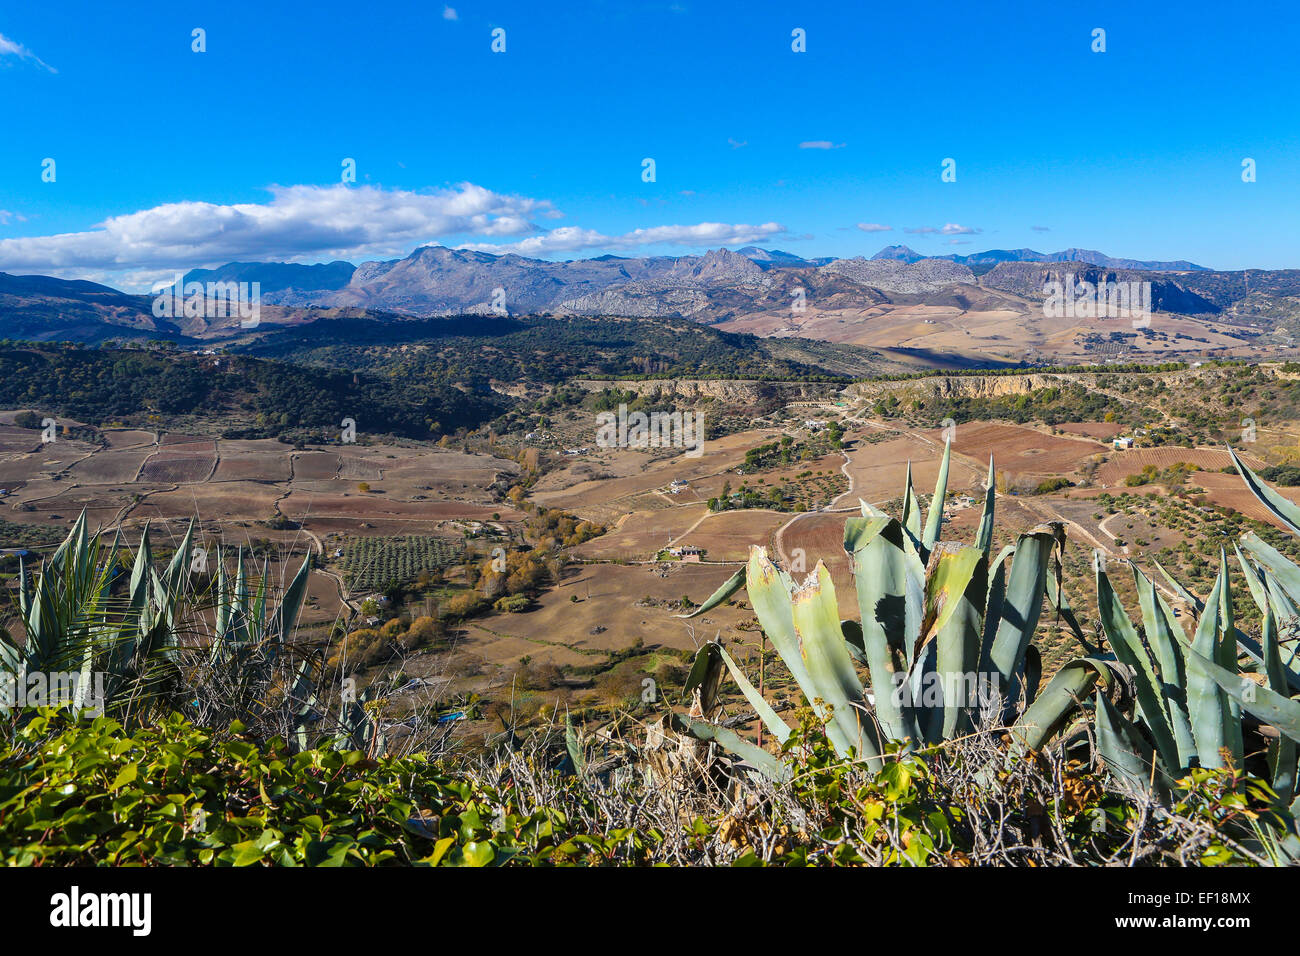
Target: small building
(1123, 444)
(687, 553)
(677, 486)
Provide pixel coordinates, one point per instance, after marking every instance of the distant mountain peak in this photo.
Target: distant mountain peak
(899, 252)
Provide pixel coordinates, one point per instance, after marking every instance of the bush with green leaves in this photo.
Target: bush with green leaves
(87, 792)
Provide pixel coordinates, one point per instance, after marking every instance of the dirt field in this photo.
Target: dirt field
(242, 484)
(879, 471)
(1131, 462)
(559, 630)
(1022, 451)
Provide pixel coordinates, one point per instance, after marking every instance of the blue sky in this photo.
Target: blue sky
(167, 159)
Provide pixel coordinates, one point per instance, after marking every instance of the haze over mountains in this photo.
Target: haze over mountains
(715, 287)
(994, 256)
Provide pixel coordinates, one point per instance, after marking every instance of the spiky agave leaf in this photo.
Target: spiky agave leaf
(833, 686)
(1019, 611)
(1206, 702)
(889, 579)
(1161, 626)
(934, 516)
(728, 588)
(984, 536)
(1060, 700)
(1128, 648)
(1125, 752)
(1285, 510)
(956, 589)
(769, 593)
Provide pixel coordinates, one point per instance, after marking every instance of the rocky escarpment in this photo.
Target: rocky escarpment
(896, 275)
(732, 392)
(1169, 293)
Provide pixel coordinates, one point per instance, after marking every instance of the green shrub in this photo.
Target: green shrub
(88, 793)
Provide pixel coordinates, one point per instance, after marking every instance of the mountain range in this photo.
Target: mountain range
(994, 256)
(717, 286)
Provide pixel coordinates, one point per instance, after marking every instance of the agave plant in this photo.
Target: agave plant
(133, 640)
(945, 635)
(1195, 708)
(73, 621)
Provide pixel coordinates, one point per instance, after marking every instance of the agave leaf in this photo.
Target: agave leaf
(833, 681)
(178, 566)
(1205, 701)
(729, 587)
(870, 511)
(911, 520)
(882, 569)
(997, 577)
(984, 536)
(74, 543)
(1227, 658)
(1266, 704)
(1126, 644)
(956, 588)
(732, 742)
(775, 725)
(11, 655)
(706, 677)
(285, 618)
(24, 589)
(1258, 589)
(1281, 752)
(1059, 701)
(1284, 606)
(1181, 591)
(1277, 564)
(1158, 622)
(934, 517)
(1018, 616)
(1244, 641)
(1124, 751)
(573, 746)
(1285, 510)
(769, 593)
(224, 610)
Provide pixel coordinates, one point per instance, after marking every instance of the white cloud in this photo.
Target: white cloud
(949, 229)
(1041, 228)
(874, 227)
(319, 223)
(300, 222)
(820, 144)
(736, 143)
(572, 238)
(448, 13)
(10, 47)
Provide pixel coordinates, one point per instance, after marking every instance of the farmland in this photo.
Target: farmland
(371, 562)
(420, 522)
